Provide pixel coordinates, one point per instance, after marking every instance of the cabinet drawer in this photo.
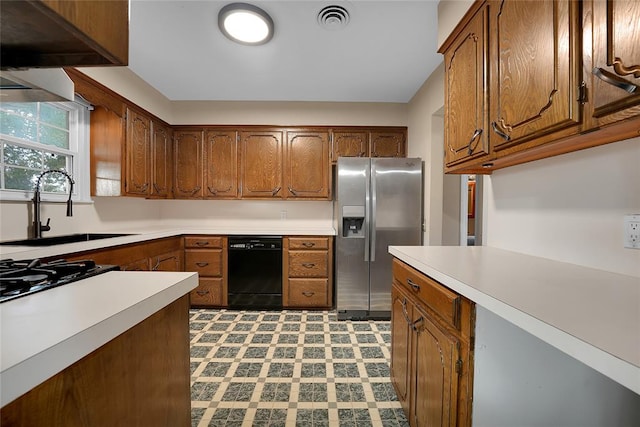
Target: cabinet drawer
(308, 264)
(208, 292)
(308, 293)
(204, 262)
(308, 243)
(203, 242)
(436, 296)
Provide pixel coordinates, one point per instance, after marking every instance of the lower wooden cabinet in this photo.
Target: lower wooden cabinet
(307, 272)
(431, 355)
(207, 255)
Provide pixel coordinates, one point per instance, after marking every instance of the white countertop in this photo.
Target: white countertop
(262, 228)
(592, 315)
(43, 333)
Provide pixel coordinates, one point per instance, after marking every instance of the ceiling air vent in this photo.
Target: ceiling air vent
(333, 17)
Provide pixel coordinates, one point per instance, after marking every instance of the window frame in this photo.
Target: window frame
(79, 135)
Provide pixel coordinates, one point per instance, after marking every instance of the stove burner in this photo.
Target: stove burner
(20, 278)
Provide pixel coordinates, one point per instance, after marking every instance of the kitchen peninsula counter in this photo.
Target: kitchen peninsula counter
(44, 333)
(142, 234)
(589, 314)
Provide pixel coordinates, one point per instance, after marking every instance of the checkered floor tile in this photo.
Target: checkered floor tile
(290, 368)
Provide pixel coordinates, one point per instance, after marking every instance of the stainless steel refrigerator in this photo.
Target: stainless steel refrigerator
(379, 204)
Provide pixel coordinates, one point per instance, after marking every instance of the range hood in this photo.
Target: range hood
(35, 85)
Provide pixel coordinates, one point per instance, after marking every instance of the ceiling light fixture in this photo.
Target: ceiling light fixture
(245, 23)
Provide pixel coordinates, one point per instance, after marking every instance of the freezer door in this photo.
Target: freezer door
(352, 266)
(396, 220)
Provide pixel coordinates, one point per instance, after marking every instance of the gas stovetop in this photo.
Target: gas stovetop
(26, 277)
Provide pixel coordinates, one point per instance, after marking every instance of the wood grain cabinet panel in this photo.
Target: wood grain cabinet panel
(350, 143)
(161, 161)
(387, 143)
(188, 163)
(261, 153)
(170, 261)
(207, 255)
(138, 163)
(221, 164)
(307, 168)
(535, 70)
(612, 63)
(368, 142)
(431, 356)
(307, 272)
(466, 121)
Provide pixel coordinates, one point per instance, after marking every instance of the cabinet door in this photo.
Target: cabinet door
(188, 164)
(221, 164)
(401, 313)
(466, 124)
(261, 164)
(535, 69)
(161, 161)
(435, 355)
(350, 143)
(170, 261)
(387, 144)
(307, 165)
(141, 264)
(615, 93)
(138, 143)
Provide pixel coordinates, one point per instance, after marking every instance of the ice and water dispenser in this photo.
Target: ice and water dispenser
(353, 221)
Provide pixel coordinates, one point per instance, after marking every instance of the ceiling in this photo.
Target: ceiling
(384, 54)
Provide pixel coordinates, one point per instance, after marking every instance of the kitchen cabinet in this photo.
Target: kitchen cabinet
(307, 168)
(221, 164)
(207, 255)
(154, 255)
(307, 272)
(188, 154)
(431, 356)
(368, 142)
(466, 121)
(612, 60)
(552, 77)
(53, 33)
(137, 155)
(161, 161)
(261, 154)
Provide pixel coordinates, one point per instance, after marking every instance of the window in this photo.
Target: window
(37, 136)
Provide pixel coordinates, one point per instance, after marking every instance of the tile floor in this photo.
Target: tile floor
(290, 368)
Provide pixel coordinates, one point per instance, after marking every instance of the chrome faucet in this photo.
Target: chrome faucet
(38, 228)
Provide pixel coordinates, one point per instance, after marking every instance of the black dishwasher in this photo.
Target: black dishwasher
(255, 272)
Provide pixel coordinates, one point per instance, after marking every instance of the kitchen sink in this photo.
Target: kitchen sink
(59, 240)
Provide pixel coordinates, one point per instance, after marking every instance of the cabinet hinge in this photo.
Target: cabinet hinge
(582, 93)
(459, 366)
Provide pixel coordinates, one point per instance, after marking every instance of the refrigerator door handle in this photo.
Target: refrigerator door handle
(367, 212)
(372, 216)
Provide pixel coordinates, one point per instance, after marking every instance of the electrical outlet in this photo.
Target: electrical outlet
(283, 214)
(632, 231)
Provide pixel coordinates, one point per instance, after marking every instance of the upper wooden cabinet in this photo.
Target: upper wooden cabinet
(612, 62)
(138, 155)
(161, 161)
(261, 153)
(368, 142)
(466, 129)
(527, 80)
(54, 33)
(221, 164)
(307, 168)
(188, 163)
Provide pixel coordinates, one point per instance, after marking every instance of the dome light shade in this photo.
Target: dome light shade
(246, 24)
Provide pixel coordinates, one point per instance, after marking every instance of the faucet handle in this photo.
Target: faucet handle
(46, 227)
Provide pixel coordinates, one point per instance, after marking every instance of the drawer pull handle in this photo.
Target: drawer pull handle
(308, 265)
(500, 133)
(308, 293)
(202, 264)
(416, 325)
(413, 285)
(475, 135)
(202, 293)
(308, 244)
(602, 75)
(202, 243)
